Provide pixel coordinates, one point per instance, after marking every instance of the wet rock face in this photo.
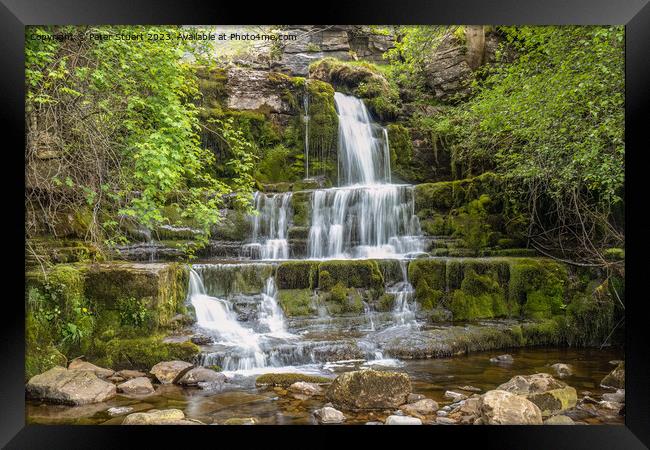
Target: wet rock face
(550, 395)
(504, 408)
(369, 389)
(70, 387)
(616, 378)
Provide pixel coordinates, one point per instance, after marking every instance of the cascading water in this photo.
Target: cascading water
(270, 226)
(270, 315)
(403, 307)
(215, 316)
(368, 217)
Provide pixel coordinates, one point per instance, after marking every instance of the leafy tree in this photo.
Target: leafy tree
(118, 121)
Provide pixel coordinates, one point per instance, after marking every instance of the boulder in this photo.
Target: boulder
(128, 374)
(616, 378)
(550, 395)
(500, 407)
(559, 420)
(304, 388)
(369, 389)
(70, 387)
(328, 414)
(420, 408)
(201, 375)
(159, 417)
(562, 370)
(402, 420)
(168, 371)
(136, 386)
(78, 364)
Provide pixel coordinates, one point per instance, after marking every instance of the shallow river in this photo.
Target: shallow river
(432, 377)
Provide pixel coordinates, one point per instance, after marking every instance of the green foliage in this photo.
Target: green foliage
(127, 117)
(132, 312)
(58, 313)
(550, 121)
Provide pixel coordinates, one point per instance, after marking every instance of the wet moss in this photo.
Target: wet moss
(297, 275)
(352, 273)
(428, 278)
(538, 286)
(296, 302)
(401, 146)
(287, 379)
(480, 297)
(143, 353)
(300, 203)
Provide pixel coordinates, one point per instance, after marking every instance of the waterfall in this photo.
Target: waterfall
(271, 315)
(270, 225)
(403, 307)
(215, 316)
(368, 217)
(362, 143)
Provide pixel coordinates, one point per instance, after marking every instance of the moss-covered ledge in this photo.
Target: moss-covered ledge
(162, 287)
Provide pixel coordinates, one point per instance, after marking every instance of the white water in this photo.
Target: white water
(368, 217)
(403, 307)
(270, 226)
(270, 313)
(216, 317)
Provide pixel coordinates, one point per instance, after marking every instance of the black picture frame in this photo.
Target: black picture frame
(634, 14)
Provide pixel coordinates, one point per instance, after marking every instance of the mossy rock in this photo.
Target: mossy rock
(351, 273)
(344, 300)
(287, 379)
(163, 286)
(362, 79)
(401, 145)
(300, 203)
(296, 302)
(428, 277)
(538, 286)
(298, 233)
(297, 275)
(227, 279)
(144, 353)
